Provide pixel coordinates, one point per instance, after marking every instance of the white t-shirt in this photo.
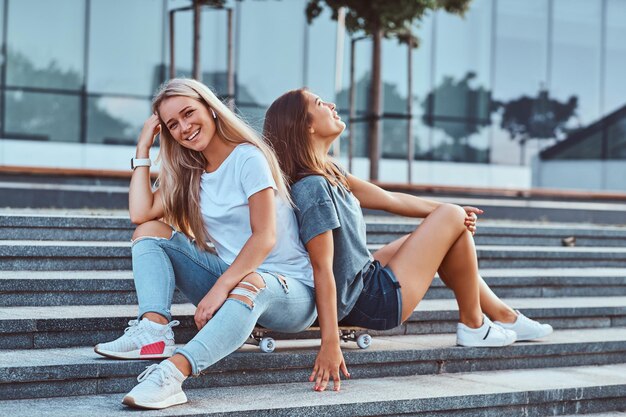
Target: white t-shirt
(224, 197)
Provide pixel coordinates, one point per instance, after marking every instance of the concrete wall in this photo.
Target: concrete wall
(108, 157)
(580, 175)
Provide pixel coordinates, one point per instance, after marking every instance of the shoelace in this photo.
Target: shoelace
(132, 327)
(154, 372)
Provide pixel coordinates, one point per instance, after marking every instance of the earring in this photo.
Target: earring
(213, 113)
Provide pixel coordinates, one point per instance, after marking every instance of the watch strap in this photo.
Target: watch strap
(140, 162)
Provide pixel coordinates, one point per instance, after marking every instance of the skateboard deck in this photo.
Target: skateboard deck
(358, 335)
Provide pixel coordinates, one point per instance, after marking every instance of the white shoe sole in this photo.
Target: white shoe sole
(135, 354)
(485, 344)
(543, 333)
(175, 399)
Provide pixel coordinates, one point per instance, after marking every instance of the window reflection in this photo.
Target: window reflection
(124, 61)
(34, 58)
(42, 116)
(271, 49)
(116, 120)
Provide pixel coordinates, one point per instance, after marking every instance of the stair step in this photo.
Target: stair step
(89, 255)
(39, 288)
(109, 228)
(510, 392)
(57, 372)
(64, 326)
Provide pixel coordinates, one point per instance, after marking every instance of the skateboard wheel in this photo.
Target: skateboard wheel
(267, 345)
(364, 341)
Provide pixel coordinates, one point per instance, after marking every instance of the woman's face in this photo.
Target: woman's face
(324, 121)
(189, 122)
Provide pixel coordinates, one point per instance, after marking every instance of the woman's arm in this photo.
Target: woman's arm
(373, 197)
(143, 204)
(329, 360)
(253, 253)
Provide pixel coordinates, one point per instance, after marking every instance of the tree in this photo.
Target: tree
(538, 117)
(378, 19)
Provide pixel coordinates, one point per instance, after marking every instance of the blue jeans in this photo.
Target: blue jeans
(160, 265)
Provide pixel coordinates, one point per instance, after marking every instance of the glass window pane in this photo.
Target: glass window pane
(588, 146)
(615, 87)
(42, 116)
(460, 142)
(422, 60)
(520, 67)
(617, 139)
(394, 138)
(43, 49)
(463, 52)
(394, 75)
(271, 55)
(362, 75)
(254, 116)
(576, 56)
(320, 63)
(127, 61)
(115, 120)
(213, 45)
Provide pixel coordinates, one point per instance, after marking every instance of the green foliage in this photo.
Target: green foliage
(396, 18)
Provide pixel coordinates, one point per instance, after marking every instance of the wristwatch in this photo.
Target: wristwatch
(135, 162)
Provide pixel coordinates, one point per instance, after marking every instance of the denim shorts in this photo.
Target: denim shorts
(379, 307)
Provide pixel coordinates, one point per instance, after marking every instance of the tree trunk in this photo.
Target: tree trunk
(375, 105)
(196, 71)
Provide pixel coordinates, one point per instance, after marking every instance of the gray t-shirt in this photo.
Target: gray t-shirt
(320, 207)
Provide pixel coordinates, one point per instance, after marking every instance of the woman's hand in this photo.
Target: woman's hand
(328, 363)
(208, 306)
(472, 218)
(151, 127)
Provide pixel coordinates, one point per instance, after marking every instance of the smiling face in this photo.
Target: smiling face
(324, 122)
(188, 121)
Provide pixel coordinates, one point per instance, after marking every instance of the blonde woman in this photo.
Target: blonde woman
(379, 291)
(219, 182)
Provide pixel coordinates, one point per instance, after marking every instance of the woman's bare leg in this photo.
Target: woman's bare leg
(490, 304)
(420, 255)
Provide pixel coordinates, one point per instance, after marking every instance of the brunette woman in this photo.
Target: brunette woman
(379, 291)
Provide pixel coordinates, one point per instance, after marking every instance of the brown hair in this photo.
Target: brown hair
(286, 127)
(182, 168)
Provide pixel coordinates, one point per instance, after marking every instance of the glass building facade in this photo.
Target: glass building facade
(507, 80)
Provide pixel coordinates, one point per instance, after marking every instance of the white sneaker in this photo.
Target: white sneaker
(141, 340)
(160, 386)
(527, 329)
(487, 335)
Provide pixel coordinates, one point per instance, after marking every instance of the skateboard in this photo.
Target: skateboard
(267, 344)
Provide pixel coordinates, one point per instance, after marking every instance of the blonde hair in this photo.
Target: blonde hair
(182, 168)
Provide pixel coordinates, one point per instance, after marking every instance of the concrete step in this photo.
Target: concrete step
(65, 227)
(66, 326)
(53, 288)
(543, 392)
(68, 196)
(59, 372)
(511, 234)
(381, 230)
(19, 255)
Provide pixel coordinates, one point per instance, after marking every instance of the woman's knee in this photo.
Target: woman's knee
(248, 288)
(452, 213)
(153, 228)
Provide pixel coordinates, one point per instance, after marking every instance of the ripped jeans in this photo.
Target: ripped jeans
(160, 265)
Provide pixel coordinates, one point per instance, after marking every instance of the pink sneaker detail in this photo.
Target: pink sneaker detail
(153, 349)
